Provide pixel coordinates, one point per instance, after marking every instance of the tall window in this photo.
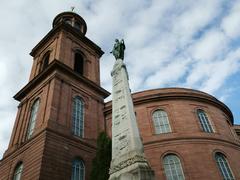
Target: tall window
(160, 121)
(78, 63)
(45, 61)
(78, 117)
(78, 170)
(172, 167)
(18, 171)
(205, 124)
(223, 166)
(33, 116)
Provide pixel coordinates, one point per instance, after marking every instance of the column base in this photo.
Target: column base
(136, 171)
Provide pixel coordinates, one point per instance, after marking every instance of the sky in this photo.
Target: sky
(191, 44)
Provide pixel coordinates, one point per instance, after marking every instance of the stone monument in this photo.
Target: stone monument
(128, 161)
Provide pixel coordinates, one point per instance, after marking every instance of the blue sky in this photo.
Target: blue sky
(193, 44)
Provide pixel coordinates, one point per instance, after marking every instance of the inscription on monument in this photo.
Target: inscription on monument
(122, 142)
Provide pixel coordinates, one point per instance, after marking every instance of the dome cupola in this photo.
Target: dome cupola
(71, 19)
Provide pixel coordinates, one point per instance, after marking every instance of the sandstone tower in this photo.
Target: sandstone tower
(60, 111)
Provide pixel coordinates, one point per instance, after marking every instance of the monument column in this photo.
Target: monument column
(128, 161)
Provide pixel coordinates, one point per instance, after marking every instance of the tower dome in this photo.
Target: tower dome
(71, 19)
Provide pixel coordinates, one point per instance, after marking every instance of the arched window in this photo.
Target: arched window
(78, 117)
(45, 61)
(160, 121)
(223, 166)
(68, 21)
(78, 170)
(33, 116)
(204, 121)
(77, 26)
(18, 171)
(172, 167)
(78, 63)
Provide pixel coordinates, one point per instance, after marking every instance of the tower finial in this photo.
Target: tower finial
(72, 8)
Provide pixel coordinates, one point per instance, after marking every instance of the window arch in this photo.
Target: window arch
(78, 63)
(18, 171)
(172, 167)
(160, 121)
(223, 166)
(33, 117)
(78, 117)
(78, 170)
(204, 121)
(45, 61)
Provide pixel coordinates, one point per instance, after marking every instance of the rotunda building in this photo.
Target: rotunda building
(187, 134)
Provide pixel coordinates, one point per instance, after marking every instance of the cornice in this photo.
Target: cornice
(43, 134)
(71, 139)
(193, 139)
(173, 94)
(57, 65)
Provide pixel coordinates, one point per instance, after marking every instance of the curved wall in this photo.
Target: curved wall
(195, 148)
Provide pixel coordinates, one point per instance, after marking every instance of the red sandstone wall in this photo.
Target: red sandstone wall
(59, 152)
(31, 156)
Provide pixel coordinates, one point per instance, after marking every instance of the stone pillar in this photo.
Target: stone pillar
(128, 161)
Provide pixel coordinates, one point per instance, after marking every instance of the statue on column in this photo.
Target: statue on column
(118, 49)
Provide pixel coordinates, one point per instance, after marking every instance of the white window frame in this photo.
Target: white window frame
(173, 167)
(161, 122)
(18, 171)
(205, 122)
(33, 118)
(78, 170)
(78, 117)
(223, 166)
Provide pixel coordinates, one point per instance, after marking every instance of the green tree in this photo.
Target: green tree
(101, 163)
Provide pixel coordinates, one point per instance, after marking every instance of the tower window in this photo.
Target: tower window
(78, 170)
(78, 117)
(18, 171)
(223, 166)
(78, 63)
(77, 26)
(172, 167)
(204, 121)
(45, 61)
(160, 121)
(33, 117)
(68, 21)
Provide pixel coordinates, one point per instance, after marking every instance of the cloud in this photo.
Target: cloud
(193, 18)
(219, 71)
(231, 22)
(168, 74)
(210, 46)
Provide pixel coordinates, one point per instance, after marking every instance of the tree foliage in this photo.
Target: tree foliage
(101, 163)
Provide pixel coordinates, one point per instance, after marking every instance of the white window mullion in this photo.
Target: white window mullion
(223, 166)
(33, 117)
(173, 167)
(78, 170)
(160, 122)
(78, 117)
(204, 121)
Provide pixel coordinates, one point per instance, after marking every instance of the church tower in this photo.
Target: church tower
(61, 108)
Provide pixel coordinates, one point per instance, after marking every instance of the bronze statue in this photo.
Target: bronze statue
(118, 49)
